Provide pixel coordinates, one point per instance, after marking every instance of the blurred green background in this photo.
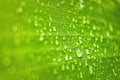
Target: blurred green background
(59, 40)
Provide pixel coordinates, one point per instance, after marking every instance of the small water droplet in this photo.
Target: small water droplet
(63, 67)
(54, 29)
(66, 58)
(22, 3)
(64, 38)
(70, 57)
(114, 72)
(57, 42)
(79, 53)
(36, 23)
(67, 67)
(73, 67)
(81, 75)
(41, 38)
(19, 10)
(38, 1)
(87, 51)
(91, 69)
(42, 4)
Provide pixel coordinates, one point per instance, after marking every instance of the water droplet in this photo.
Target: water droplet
(87, 51)
(63, 67)
(79, 53)
(70, 57)
(81, 4)
(111, 27)
(81, 75)
(59, 60)
(42, 4)
(63, 37)
(19, 10)
(22, 3)
(38, 1)
(67, 67)
(114, 72)
(91, 69)
(54, 59)
(66, 57)
(54, 29)
(36, 23)
(57, 42)
(73, 67)
(41, 38)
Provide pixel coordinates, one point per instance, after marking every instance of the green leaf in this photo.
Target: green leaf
(59, 40)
